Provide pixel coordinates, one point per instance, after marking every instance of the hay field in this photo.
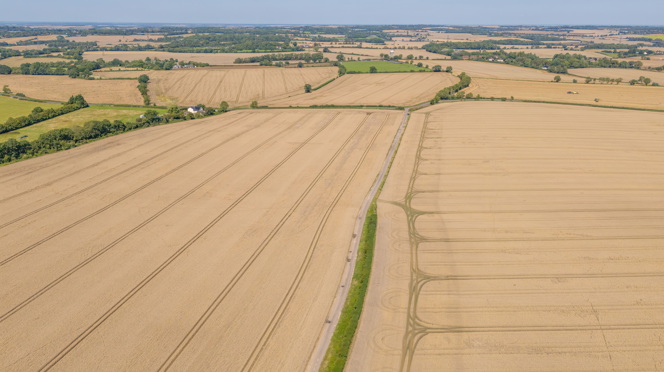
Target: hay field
(11, 107)
(17, 61)
(614, 73)
(112, 40)
(211, 58)
(519, 237)
(395, 89)
(236, 86)
(214, 59)
(500, 71)
(60, 88)
(609, 95)
(213, 244)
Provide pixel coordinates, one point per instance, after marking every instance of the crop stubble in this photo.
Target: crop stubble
(394, 89)
(211, 244)
(518, 236)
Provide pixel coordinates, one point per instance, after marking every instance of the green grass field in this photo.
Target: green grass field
(75, 118)
(656, 37)
(382, 66)
(13, 108)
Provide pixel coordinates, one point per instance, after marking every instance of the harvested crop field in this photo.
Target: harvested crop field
(626, 74)
(608, 95)
(519, 237)
(211, 58)
(17, 61)
(60, 88)
(214, 244)
(236, 86)
(501, 71)
(395, 89)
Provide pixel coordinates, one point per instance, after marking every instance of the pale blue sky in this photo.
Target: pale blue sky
(486, 12)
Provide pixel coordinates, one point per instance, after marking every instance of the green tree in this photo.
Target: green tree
(449, 69)
(373, 69)
(557, 79)
(5, 70)
(254, 104)
(6, 90)
(342, 70)
(437, 68)
(307, 88)
(143, 79)
(300, 64)
(223, 107)
(341, 57)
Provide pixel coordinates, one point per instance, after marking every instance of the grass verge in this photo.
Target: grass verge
(337, 352)
(362, 67)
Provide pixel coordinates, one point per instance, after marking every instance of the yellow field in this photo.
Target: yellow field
(237, 86)
(211, 58)
(110, 40)
(608, 95)
(500, 71)
(17, 61)
(614, 73)
(216, 244)
(395, 89)
(60, 88)
(519, 237)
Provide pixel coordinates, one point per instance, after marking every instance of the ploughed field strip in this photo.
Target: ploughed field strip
(215, 244)
(519, 237)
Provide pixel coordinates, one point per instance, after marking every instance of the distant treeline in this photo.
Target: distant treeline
(558, 64)
(38, 114)
(307, 57)
(80, 68)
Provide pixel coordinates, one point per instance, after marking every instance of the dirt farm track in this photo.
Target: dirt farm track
(215, 244)
(519, 237)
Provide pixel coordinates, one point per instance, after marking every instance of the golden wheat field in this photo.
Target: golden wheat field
(501, 71)
(615, 73)
(396, 89)
(237, 86)
(211, 58)
(607, 95)
(60, 88)
(519, 237)
(214, 244)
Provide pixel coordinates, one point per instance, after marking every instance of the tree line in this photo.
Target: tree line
(38, 114)
(307, 57)
(453, 91)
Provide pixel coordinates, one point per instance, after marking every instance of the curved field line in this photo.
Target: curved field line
(113, 203)
(257, 252)
(117, 241)
(278, 316)
(91, 328)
